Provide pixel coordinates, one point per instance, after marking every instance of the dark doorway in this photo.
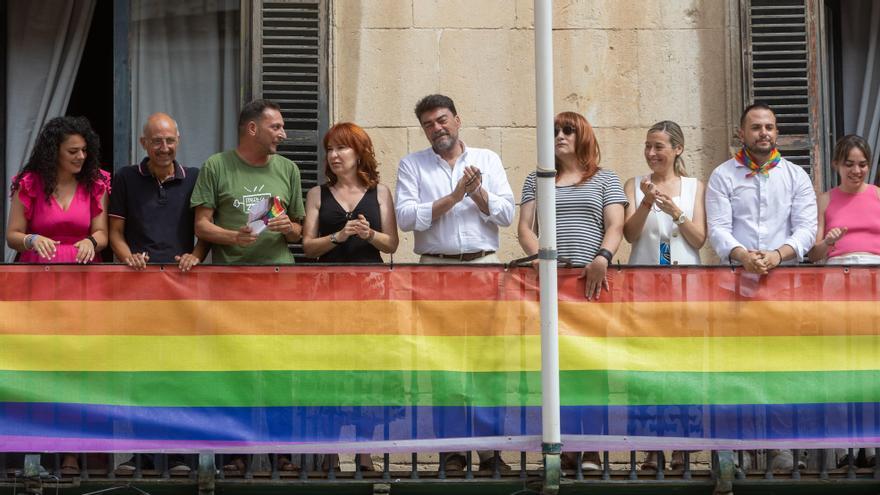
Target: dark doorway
(3, 8)
(92, 95)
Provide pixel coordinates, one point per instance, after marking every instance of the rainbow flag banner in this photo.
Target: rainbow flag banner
(407, 358)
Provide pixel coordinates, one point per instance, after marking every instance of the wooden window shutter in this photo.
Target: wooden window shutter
(780, 68)
(289, 60)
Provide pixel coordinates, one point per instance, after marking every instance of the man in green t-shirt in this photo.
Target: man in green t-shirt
(231, 181)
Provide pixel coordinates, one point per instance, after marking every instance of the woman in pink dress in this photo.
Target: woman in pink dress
(59, 199)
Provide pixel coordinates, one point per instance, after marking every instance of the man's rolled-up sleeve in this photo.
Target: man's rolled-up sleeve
(719, 216)
(411, 215)
(804, 216)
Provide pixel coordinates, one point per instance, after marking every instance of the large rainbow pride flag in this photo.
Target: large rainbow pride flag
(375, 358)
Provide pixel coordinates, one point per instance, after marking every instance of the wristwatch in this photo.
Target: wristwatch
(333, 238)
(681, 219)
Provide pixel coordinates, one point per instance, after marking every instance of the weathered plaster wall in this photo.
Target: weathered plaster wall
(624, 64)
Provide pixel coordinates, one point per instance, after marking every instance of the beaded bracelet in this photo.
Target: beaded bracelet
(29, 241)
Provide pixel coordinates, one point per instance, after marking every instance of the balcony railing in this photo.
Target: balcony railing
(394, 360)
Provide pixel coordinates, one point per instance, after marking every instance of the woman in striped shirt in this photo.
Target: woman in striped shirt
(590, 206)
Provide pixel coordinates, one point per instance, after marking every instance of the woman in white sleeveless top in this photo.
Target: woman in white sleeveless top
(666, 217)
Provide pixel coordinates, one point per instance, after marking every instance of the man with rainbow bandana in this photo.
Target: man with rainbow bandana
(760, 207)
(761, 212)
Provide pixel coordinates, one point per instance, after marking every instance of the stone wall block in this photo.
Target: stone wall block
(354, 14)
(519, 153)
(596, 74)
(381, 74)
(627, 14)
(490, 75)
(622, 150)
(482, 137)
(692, 14)
(390, 145)
(415, 136)
(525, 14)
(681, 76)
(478, 14)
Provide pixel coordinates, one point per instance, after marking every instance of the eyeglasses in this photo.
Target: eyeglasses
(157, 142)
(567, 130)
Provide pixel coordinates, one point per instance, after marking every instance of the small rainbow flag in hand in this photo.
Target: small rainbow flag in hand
(262, 211)
(276, 210)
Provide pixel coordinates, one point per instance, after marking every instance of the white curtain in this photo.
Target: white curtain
(185, 62)
(46, 39)
(860, 47)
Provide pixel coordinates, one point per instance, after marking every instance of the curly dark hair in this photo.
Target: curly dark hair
(44, 156)
(431, 102)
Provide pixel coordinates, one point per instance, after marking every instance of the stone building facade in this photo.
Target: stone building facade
(624, 64)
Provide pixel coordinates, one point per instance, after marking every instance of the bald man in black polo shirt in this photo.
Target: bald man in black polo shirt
(150, 214)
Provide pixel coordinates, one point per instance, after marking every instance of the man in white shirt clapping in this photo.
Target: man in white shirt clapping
(451, 196)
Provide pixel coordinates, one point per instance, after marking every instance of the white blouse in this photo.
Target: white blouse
(659, 227)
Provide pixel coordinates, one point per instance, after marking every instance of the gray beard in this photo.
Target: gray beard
(453, 142)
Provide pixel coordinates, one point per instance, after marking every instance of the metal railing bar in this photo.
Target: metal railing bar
(606, 465)
(661, 465)
(358, 475)
(303, 467)
(851, 467)
(768, 466)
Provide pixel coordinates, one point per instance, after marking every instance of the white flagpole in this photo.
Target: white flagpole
(546, 214)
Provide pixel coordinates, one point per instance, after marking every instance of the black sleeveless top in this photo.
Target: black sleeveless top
(332, 218)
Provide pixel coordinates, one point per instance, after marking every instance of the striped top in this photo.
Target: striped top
(580, 213)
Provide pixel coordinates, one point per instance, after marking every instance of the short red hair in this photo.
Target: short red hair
(353, 136)
(586, 147)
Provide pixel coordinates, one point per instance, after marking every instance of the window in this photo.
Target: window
(851, 76)
(290, 49)
(197, 60)
(817, 63)
(779, 68)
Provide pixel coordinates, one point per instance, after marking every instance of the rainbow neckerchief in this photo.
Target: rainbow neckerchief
(745, 159)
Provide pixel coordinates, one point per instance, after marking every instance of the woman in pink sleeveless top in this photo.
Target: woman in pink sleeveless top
(59, 199)
(849, 214)
(849, 227)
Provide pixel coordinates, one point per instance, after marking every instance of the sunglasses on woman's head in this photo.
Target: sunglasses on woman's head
(567, 130)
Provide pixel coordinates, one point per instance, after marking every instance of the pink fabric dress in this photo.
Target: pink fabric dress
(49, 220)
